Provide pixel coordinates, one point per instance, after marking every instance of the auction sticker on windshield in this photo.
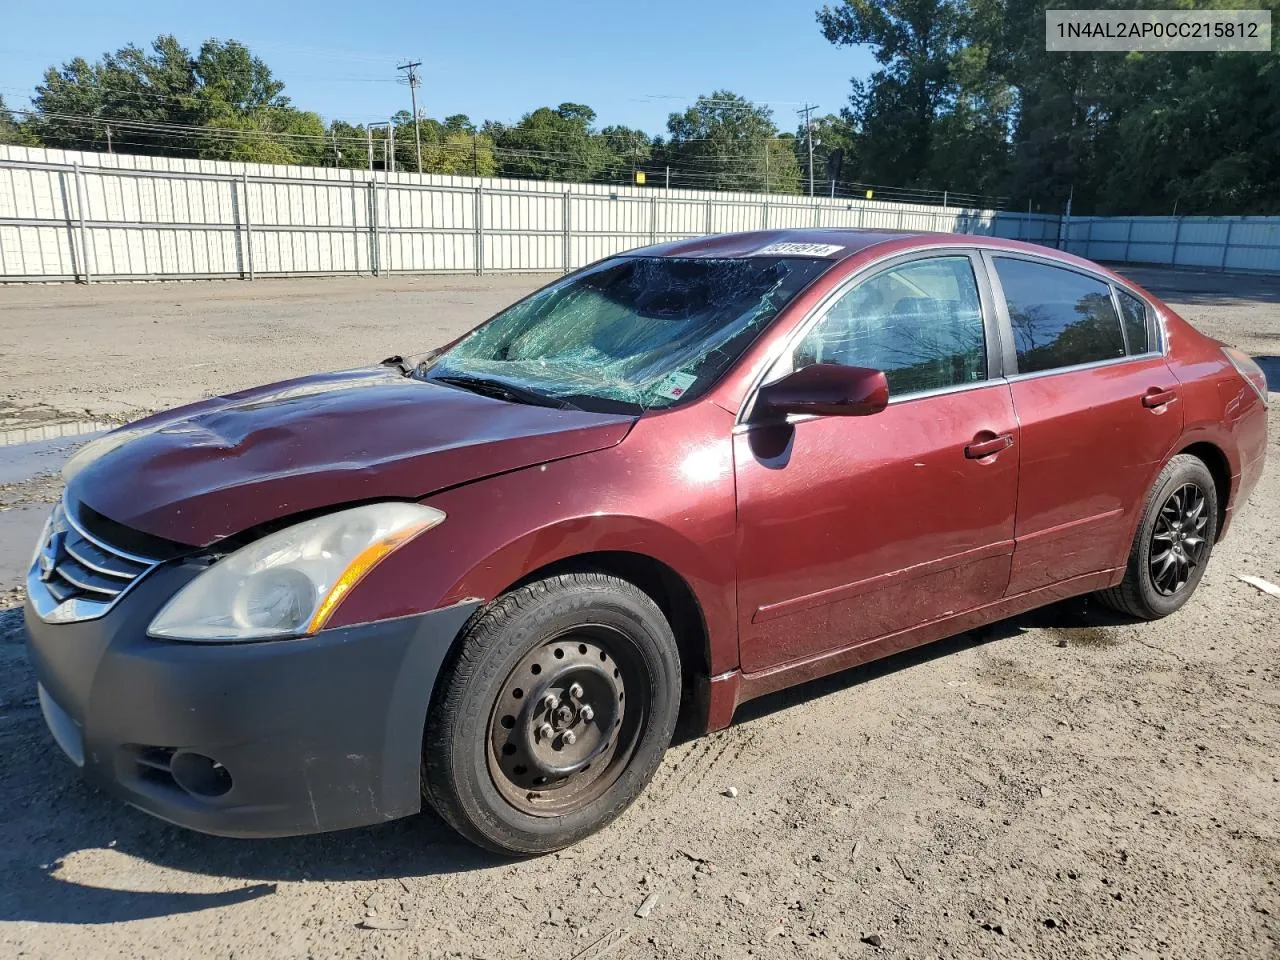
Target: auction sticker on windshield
(674, 384)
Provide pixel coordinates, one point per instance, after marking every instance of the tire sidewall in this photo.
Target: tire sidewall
(1184, 470)
(555, 613)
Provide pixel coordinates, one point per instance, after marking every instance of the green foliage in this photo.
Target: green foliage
(555, 144)
(831, 132)
(967, 99)
(934, 114)
(12, 131)
(725, 142)
(140, 95)
(964, 98)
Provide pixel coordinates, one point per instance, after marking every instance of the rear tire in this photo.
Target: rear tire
(1173, 543)
(552, 714)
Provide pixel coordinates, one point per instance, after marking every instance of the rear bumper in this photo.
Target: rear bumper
(300, 736)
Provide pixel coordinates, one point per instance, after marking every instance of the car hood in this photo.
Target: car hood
(199, 473)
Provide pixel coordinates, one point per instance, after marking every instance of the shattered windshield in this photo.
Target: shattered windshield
(632, 332)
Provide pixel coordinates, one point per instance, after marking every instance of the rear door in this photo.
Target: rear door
(1097, 408)
(851, 529)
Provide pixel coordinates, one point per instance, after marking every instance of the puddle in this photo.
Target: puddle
(22, 461)
(1095, 637)
(19, 530)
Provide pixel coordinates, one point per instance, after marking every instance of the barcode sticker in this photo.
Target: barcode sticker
(799, 250)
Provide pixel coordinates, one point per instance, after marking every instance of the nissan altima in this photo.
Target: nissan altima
(491, 578)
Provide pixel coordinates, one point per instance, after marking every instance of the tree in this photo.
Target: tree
(11, 130)
(725, 142)
(553, 144)
(222, 103)
(968, 99)
(914, 42)
(830, 133)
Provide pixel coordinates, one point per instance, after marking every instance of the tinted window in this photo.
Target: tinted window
(1134, 314)
(1059, 318)
(920, 323)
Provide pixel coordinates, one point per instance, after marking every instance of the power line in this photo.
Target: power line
(412, 73)
(806, 111)
(712, 172)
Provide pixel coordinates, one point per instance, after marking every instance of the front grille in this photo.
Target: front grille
(81, 573)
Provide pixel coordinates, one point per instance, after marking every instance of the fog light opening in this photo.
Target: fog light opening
(199, 775)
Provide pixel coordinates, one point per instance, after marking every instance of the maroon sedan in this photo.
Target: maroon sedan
(675, 480)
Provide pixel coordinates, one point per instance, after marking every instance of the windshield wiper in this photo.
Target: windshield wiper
(503, 391)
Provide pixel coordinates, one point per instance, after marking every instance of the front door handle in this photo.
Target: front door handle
(1158, 397)
(988, 447)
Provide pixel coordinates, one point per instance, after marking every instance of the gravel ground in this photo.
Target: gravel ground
(1058, 785)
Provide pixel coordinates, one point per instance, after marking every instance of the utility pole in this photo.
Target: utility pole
(109, 150)
(808, 131)
(411, 69)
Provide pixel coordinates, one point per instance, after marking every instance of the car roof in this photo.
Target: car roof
(836, 245)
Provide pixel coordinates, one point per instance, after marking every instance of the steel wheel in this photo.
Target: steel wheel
(567, 721)
(1178, 541)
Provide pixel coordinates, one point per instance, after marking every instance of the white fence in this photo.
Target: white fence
(1239, 244)
(85, 216)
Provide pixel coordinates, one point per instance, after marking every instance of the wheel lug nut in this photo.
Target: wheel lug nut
(545, 731)
(569, 738)
(551, 701)
(587, 714)
(575, 690)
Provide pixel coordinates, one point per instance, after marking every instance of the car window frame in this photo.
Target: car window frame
(991, 332)
(1148, 315)
(1155, 332)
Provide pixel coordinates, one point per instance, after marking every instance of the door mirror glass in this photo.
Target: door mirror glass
(824, 389)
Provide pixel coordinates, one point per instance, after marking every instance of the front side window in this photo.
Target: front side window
(633, 332)
(1060, 318)
(1134, 314)
(921, 323)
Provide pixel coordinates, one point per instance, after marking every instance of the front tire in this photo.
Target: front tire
(1172, 546)
(552, 714)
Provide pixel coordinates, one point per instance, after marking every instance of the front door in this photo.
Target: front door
(854, 528)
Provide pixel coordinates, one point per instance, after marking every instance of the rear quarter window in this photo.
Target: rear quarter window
(1060, 318)
(1134, 314)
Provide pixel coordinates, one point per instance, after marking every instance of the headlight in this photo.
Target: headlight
(289, 582)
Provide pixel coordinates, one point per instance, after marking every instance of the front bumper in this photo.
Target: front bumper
(306, 735)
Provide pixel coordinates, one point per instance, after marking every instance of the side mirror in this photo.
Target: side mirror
(824, 389)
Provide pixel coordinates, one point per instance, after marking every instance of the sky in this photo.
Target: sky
(632, 62)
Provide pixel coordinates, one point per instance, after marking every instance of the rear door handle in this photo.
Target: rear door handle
(1157, 397)
(988, 448)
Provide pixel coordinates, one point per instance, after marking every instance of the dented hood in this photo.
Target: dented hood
(206, 471)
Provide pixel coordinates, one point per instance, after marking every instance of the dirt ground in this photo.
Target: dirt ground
(1064, 784)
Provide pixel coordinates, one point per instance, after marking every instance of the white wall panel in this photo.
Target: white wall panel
(149, 217)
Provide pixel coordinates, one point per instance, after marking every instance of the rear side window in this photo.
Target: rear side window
(921, 323)
(1134, 314)
(1060, 318)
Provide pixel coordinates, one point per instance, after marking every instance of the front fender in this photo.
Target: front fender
(667, 493)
